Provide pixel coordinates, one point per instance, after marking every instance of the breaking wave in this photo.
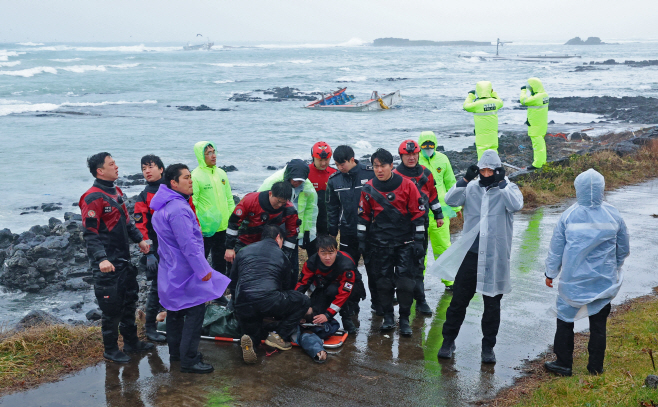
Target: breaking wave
(301, 61)
(351, 79)
(224, 81)
(29, 72)
(242, 64)
(120, 48)
(13, 63)
(67, 60)
(29, 44)
(4, 54)
(354, 42)
(16, 106)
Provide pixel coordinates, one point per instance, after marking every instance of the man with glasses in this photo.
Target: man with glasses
(213, 201)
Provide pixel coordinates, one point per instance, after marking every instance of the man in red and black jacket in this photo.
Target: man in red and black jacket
(258, 209)
(391, 231)
(329, 277)
(152, 169)
(319, 172)
(107, 233)
(424, 181)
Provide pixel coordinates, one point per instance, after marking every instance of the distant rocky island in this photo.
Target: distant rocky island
(404, 42)
(589, 41)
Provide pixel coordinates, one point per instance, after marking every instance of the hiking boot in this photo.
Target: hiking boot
(405, 328)
(200, 367)
(557, 369)
(488, 355)
(275, 341)
(248, 352)
(153, 335)
(139, 346)
(348, 325)
(447, 350)
(532, 168)
(423, 307)
(389, 322)
(116, 356)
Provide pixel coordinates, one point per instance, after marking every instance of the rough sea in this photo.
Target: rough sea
(116, 96)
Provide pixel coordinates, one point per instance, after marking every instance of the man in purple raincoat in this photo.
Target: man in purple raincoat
(185, 279)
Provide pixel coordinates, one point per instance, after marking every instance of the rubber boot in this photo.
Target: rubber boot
(447, 350)
(153, 335)
(138, 346)
(389, 322)
(419, 296)
(405, 328)
(116, 356)
(488, 355)
(348, 325)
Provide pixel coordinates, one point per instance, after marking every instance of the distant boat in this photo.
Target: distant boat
(341, 101)
(207, 46)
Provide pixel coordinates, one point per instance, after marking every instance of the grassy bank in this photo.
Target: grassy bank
(45, 353)
(632, 336)
(554, 182)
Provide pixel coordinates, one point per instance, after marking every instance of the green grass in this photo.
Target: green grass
(220, 398)
(631, 334)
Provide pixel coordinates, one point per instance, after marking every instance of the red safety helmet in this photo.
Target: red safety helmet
(321, 150)
(408, 147)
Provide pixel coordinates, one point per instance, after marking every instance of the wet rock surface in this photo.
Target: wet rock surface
(636, 64)
(588, 41)
(632, 109)
(275, 95)
(200, 108)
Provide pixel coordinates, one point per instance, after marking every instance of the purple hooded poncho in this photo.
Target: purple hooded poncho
(182, 261)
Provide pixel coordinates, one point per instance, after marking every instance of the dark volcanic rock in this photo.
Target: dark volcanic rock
(38, 317)
(275, 95)
(635, 109)
(651, 381)
(72, 216)
(6, 238)
(94, 315)
(49, 207)
(589, 41)
(228, 168)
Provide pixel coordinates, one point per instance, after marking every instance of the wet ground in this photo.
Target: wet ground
(371, 368)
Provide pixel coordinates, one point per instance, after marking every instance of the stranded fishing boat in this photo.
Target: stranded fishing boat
(341, 101)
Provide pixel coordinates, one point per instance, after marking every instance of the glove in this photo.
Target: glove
(471, 91)
(151, 265)
(523, 87)
(499, 174)
(471, 173)
(307, 239)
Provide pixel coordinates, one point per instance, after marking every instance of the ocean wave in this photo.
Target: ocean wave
(224, 81)
(354, 42)
(242, 64)
(8, 106)
(344, 69)
(301, 61)
(29, 72)
(83, 68)
(67, 60)
(13, 63)
(30, 44)
(351, 79)
(4, 54)
(120, 48)
(26, 73)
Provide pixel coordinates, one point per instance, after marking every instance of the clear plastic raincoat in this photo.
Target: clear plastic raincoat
(588, 248)
(489, 213)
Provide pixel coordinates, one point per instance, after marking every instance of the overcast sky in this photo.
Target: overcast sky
(326, 21)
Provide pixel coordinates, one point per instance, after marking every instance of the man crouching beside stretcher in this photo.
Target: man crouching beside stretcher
(329, 279)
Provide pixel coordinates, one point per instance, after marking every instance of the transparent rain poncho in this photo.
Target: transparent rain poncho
(489, 214)
(589, 246)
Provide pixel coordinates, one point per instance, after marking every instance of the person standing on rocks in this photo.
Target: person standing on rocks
(343, 195)
(424, 181)
(107, 231)
(484, 103)
(213, 201)
(152, 169)
(534, 97)
(479, 261)
(589, 245)
(185, 279)
(444, 177)
(391, 233)
(319, 173)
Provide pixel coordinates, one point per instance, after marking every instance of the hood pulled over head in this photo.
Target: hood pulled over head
(589, 188)
(483, 89)
(296, 170)
(489, 160)
(199, 152)
(536, 85)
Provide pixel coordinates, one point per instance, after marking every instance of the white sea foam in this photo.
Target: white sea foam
(67, 60)
(4, 54)
(224, 81)
(29, 44)
(121, 48)
(83, 68)
(344, 69)
(301, 61)
(351, 79)
(26, 73)
(13, 63)
(363, 144)
(8, 106)
(242, 64)
(354, 42)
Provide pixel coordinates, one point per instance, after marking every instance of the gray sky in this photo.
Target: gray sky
(301, 21)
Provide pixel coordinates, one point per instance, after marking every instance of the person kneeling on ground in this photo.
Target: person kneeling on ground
(185, 279)
(589, 245)
(479, 261)
(262, 286)
(329, 278)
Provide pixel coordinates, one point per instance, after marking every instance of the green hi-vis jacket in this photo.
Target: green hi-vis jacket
(484, 105)
(537, 103)
(212, 194)
(307, 205)
(440, 166)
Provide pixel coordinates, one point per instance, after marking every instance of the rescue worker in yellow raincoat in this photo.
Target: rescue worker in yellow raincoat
(484, 103)
(535, 98)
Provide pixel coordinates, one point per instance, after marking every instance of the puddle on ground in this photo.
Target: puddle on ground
(372, 368)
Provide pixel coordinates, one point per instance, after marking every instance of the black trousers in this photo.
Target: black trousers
(117, 294)
(564, 337)
(463, 292)
(184, 334)
(153, 306)
(286, 306)
(419, 288)
(215, 246)
(391, 269)
(350, 245)
(321, 299)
